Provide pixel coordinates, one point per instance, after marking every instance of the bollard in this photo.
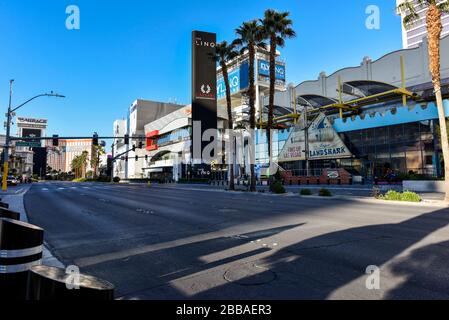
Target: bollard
(54, 284)
(4, 205)
(21, 246)
(8, 214)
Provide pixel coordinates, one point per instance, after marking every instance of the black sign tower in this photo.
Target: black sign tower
(204, 87)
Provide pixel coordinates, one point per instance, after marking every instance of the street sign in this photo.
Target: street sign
(28, 144)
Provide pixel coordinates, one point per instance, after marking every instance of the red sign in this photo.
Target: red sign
(152, 140)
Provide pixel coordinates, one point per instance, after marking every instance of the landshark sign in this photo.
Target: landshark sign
(324, 143)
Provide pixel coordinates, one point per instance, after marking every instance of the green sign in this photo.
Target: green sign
(28, 144)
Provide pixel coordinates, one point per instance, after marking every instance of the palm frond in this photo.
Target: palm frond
(444, 6)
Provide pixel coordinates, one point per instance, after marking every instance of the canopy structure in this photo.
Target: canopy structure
(361, 93)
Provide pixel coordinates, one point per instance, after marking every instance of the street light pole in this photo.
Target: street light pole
(8, 129)
(6, 148)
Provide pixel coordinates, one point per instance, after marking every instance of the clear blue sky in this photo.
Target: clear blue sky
(141, 49)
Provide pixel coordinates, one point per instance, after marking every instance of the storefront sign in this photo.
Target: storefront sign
(324, 143)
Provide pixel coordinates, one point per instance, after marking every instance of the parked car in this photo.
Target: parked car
(12, 181)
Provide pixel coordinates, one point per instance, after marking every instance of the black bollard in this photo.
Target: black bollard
(54, 284)
(4, 205)
(8, 214)
(21, 246)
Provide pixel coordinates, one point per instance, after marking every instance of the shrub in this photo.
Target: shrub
(80, 180)
(277, 187)
(116, 179)
(305, 192)
(411, 197)
(325, 193)
(407, 196)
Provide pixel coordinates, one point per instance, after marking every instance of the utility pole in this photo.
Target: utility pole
(6, 148)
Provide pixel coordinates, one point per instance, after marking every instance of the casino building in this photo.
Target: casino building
(372, 122)
(376, 121)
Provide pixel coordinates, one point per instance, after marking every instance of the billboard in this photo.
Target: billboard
(324, 143)
(204, 82)
(31, 123)
(238, 81)
(264, 70)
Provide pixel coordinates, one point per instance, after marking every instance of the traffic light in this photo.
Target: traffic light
(127, 139)
(55, 140)
(146, 157)
(126, 158)
(134, 149)
(137, 158)
(95, 139)
(140, 144)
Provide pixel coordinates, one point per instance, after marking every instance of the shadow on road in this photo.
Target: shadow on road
(184, 239)
(316, 268)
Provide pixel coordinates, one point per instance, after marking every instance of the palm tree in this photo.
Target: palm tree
(434, 29)
(250, 37)
(225, 52)
(76, 165)
(84, 159)
(97, 152)
(276, 27)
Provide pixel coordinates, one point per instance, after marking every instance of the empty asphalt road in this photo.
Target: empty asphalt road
(158, 243)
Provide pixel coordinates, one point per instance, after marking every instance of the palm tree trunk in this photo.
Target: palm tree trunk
(434, 29)
(252, 111)
(224, 67)
(271, 97)
(272, 92)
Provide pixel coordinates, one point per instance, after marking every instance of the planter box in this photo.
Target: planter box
(424, 186)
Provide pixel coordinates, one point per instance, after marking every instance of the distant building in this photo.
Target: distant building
(60, 158)
(140, 114)
(412, 37)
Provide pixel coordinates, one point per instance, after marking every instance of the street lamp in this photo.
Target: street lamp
(8, 128)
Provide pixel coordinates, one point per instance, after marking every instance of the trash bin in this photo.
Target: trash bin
(8, 214)
(51, 284)
(4, 205)
(21, 246)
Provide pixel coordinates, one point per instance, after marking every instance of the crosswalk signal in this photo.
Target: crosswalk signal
(95, 139)
(55, 140)
(127, 139)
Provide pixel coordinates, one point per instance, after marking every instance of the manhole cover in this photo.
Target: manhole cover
(249, 274)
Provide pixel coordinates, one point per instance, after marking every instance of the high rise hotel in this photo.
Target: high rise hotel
(413, 36)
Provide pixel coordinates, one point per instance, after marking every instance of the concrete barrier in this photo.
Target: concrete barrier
(424, 186)
(54, 284)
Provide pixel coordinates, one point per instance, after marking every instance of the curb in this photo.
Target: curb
(428, 203)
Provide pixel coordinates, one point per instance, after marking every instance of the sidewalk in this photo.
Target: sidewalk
(354, 192)
(15, 201)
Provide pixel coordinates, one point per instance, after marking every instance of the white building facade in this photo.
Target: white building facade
(414, 36)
